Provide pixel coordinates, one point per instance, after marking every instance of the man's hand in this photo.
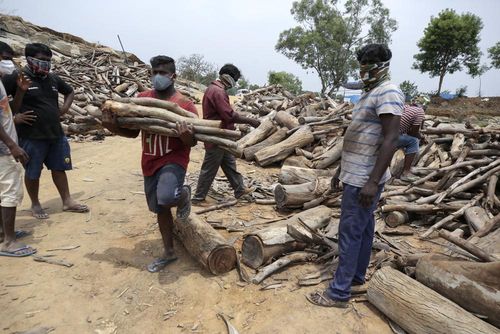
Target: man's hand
(367, 194)
(27, 118)
(335, 182)
(423, 140)
(23, 82)
(255, 123)
(186, 132)
(19, 154)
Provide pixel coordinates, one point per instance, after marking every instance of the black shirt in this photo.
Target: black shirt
(42, 98)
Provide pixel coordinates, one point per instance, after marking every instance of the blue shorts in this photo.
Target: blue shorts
(408, 143)
(55, 154)
(164, 187)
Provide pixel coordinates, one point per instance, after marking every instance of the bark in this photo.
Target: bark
(418, 309)
(294, 196)
(260, 247)
(286, 260)
(278, 136)
(476, 217)
(330, 156)
(396, 218)
(157, 103)
(296, 175)
(473, 286)
(468, 246)
(297, 161)
(287, 120)
(488, 227)
(206, 245)
(280, 151)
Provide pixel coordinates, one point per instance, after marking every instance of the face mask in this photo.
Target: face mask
(161, 82)
(7, 67)
(39, 67)
(374, 74)
(228, 81)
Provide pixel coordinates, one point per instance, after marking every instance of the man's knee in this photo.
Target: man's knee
(167, 197)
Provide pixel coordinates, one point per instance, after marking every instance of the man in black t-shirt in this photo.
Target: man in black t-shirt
(37, 116)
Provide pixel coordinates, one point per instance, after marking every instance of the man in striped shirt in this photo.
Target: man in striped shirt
(409, 134)
(369, 144)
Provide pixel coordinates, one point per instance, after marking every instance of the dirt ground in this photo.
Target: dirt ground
(108, 289)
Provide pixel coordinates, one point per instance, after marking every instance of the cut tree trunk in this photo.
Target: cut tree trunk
(457, 145)
(468, 246)
(275, 138)
(473, 286)
(260, 247)
(476, 217)
(396, 218)
(297, 175)
(280, 151)
(265, 129)
(157, 103)
(298, 161)
(330, 156)
(285, 119)
(418, 309)
(206, 245)
(294, 196)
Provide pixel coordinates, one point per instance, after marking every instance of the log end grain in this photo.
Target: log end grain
(252, 251)
(222, 260)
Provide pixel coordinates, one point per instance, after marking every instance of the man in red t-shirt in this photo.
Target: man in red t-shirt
(164, 159)
(216, 106)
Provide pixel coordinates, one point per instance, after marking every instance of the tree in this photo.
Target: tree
(494, 54)
(243, 83)
(450, 42)
(289, 81)
(253, 87)
(409, 89)
(327, 36)
(196, 68)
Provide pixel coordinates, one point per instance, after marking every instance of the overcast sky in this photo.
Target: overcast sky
(245, 32)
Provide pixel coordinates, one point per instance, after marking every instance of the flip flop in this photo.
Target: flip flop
(159, 264)
(19, 252)
(79, 208)
(184, 209)
(319, 298)
(21, 234)
(42, 215)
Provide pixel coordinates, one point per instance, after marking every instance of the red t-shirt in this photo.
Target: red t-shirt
(216, 106)
(158, 150)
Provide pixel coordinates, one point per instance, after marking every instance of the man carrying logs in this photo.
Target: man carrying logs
(369, 144)
(164, 159)
(409, 133)
(37, 114)
(216, 106)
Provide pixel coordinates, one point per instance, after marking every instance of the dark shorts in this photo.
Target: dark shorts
(55, 154)
(164, 187)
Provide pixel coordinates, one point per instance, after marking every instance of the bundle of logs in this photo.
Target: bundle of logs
(99, 76)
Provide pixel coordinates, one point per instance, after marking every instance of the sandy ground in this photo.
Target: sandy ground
(108, 289)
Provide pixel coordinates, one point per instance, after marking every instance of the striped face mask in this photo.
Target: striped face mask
(373, 75)
(227, 80)
(39, 67)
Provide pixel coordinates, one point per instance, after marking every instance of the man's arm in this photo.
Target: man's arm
(390, 131)
(240, 119)
(228, 115)
(414, 131)
(68, 100)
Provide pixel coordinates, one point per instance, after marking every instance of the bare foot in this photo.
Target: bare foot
(16, 249)
(72, 206)
(38, 212)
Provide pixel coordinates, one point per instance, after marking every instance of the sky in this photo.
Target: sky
(244, 32)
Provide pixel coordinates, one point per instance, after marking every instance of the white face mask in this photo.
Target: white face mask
(7, 67)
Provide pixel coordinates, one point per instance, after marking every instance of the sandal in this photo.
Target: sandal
(320, 298)
(159, 264)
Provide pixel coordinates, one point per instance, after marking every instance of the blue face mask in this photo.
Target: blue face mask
(161, 82)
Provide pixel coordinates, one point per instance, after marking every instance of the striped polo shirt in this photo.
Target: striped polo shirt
(412, 115)
(363, 137)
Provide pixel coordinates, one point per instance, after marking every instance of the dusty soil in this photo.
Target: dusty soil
(108, 289)
(481, 111)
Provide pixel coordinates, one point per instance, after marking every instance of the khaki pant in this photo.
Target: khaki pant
(11, 182)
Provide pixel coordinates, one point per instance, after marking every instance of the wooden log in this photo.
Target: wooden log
(451, 217)
(206, 245)
(157, 103)
(468, 246)
(457, 145)
(286, 119)
(476, 217)
(283, 149)
(297, 175)
(260, 247)
(264, 130)
(294, 196)
(297, 161)
(488, 227)
(473, 286)
(396, 218)
(276, 137)
(129, 122)
(418, 309)
(133, 110)
(490, 197)
(281, 263)
(330, 156)
(307, 154)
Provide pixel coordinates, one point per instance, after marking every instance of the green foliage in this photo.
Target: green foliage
(197, 69)
(253, 86)
(461, 91)
(289, 81)
(328, 36)
(409, 89)
(243, 83)
(494, 54)
(450, 42)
